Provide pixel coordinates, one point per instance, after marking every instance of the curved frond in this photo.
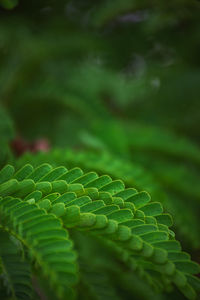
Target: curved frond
(127, 221)
(16, 269)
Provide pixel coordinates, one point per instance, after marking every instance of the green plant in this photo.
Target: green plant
(99, 87)
(45, 209)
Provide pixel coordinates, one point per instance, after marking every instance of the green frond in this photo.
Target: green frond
(125, 219)
(154, 178)
(15, 267)
(161, 141)
(99, 123)
(48, 243)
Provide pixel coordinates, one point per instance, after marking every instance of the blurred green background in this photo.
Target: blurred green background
(111, 86)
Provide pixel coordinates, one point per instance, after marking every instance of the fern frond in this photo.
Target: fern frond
(16, 270)
(127, 220)
(48, 243)
(97, 285)
(151, 139)
(133, 174)
(174, 163)
(105, 163)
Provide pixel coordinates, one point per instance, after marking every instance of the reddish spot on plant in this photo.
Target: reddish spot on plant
(41, 145)
(19, 146)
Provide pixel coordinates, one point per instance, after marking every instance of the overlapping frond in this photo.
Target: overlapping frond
(41, 233)
(127, 221)
(161, 179)
(160, 141)
(104, 163)
(16, 270)
(174, 163)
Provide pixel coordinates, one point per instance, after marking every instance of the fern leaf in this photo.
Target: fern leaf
(129, 222)
(34, 229)
(16, 269)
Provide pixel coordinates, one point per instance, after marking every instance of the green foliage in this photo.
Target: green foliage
(44, 207)
(16, 270)
(166, 181)
(106, 90)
